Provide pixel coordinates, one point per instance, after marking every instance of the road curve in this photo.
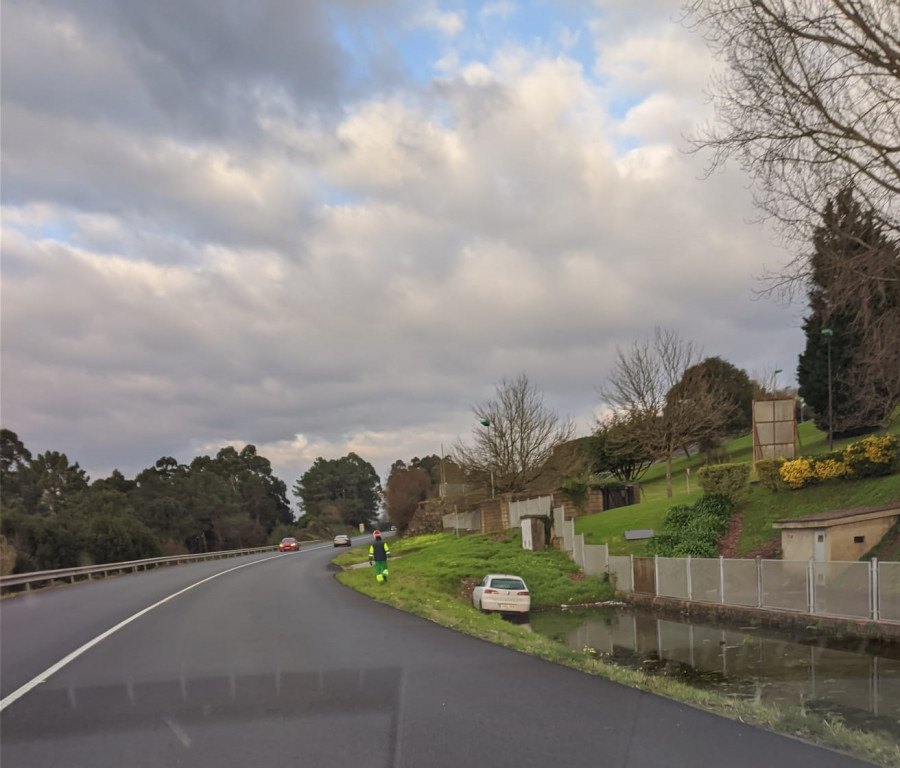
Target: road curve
(277, 664)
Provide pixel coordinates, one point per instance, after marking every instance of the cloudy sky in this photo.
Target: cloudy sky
(323, 227)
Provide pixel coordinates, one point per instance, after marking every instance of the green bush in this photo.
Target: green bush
(731, 480)
(693, 530)
(768, 472)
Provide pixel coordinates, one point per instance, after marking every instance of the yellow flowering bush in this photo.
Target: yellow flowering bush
(872, 456)
(798, 473)
(831, 469)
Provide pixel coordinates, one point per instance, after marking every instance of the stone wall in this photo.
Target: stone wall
(494, 515)
(592, 504)
(428, 518)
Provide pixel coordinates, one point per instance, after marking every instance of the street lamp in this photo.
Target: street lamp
(828, 333)
(485, 422)
(775, 382)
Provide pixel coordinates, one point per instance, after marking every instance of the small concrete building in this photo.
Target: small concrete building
(841, 535)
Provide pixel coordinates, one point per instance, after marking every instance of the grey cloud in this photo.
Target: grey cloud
(197, 67)
(210, 290)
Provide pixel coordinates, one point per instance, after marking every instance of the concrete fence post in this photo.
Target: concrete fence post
(631, 565)
(656, 575)
(721, 579)
(690, 591)
(811, 582)
(873, 586)
(759, 583)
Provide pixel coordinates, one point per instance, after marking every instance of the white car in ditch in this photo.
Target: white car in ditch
(502, 593)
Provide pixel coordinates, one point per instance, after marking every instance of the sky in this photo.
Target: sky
(322, 227)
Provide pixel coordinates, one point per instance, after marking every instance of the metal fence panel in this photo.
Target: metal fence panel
(671, 577)
(843, 589)
(596, 559)
(620, 571)
(785, 585)
(741, 584)
(889, 591)
(644, 575)
(705, 578)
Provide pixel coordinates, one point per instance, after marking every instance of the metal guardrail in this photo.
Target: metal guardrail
(71, 574)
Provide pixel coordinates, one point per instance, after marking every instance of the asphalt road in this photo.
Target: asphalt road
(277, 664)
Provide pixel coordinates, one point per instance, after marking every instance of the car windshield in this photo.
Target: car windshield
(507, 584)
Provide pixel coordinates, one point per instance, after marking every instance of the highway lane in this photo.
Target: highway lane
(37, 629)
(278, 664)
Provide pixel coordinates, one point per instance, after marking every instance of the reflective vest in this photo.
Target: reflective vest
(379, 551)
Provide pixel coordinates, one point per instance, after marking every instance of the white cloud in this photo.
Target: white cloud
(501, 9)
(445, 22)
(355, 275)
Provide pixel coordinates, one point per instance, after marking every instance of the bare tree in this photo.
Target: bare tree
(405, 488)
(808, 104)
(664, 410)
(515, 438)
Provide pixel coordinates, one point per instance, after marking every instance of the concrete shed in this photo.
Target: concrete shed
(842, 535)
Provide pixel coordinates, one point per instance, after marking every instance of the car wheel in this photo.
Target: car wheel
(483, 610)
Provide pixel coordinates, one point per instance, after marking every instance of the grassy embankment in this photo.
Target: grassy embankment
(759, 512)
(427, 576)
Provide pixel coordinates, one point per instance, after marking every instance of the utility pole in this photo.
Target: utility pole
(487, 423)
(828, 333)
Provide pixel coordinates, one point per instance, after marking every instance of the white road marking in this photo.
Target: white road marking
(180, 733)
(42, 677)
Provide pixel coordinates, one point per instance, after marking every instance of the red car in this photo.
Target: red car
(289, 544)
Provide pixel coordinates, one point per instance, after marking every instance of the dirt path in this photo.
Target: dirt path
(730, 542)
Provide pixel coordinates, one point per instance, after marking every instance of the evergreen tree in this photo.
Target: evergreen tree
(340, 491)
(865, 379)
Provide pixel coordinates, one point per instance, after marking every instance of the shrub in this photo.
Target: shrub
(872, 456)
(693, 530)
(831, 469)
(731, 480)
(720, 507)
(798, 473)
(577, 490)
(767, 470)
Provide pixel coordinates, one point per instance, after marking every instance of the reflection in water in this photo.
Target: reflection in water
(863, 688)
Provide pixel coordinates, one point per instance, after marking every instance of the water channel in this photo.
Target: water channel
(856, 680)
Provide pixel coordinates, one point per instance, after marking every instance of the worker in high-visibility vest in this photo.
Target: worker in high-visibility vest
(378, 556)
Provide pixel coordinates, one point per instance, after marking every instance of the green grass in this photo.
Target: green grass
(433, 568)
(764, 507)
(609, 527)
(759, 512)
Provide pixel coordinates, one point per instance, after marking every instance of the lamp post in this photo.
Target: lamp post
(828, 333)
(775, 382)
(487, 423)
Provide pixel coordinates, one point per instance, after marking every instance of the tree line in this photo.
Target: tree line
(53, 516)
